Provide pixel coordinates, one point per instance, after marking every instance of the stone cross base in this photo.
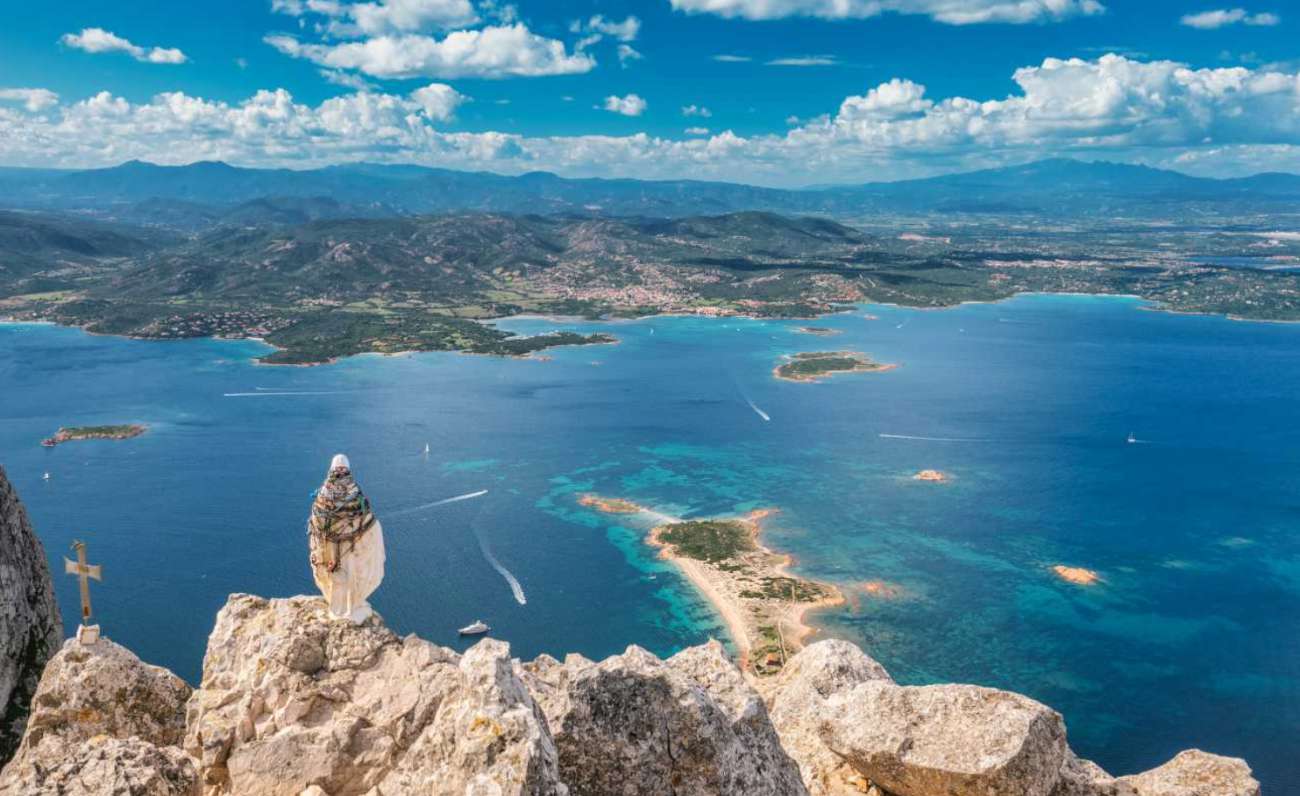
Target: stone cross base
(87, 634)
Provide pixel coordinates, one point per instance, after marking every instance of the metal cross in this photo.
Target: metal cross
(83, 571)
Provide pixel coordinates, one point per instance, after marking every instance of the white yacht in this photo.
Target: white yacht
(476, 629)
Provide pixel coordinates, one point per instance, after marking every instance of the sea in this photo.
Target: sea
(1191, 637)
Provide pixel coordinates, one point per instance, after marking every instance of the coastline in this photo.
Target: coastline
(1145, 304)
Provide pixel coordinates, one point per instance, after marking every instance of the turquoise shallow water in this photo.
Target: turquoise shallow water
(1191, 639)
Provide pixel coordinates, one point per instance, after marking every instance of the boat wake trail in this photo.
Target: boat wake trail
(759, 412)
(500, 568)
(444, 501)
(269, 394)
(932, 439)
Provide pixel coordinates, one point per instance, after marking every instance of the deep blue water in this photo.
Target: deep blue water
(1192, 639)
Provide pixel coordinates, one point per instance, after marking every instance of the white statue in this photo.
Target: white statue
(346, 543)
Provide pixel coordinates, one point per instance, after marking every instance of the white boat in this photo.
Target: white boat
(1131, 439)
(46, 477)
(426, 449)
(476, 629)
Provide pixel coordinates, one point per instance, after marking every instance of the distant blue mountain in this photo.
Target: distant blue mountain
(210, 193)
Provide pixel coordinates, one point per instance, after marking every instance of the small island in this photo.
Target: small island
(1079, 576)
(820, 331)
(812, 366)
(933, 476)
(610, 505)
(72, 433)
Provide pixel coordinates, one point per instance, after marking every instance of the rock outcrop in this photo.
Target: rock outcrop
(797, 700)
(104, 722)
(1196, 773)
(295, 702)
(30, 628)
(1081, 777)
(942, 739)
(291, 701)
(635, 724)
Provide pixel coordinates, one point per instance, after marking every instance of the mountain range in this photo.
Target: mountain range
(207, 194)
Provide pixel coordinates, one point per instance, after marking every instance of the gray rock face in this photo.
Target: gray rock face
(101, 716)
(633, 724)
(291, 700)
(797, 700)
(1196, 773)
(30, 627)
(947, 739)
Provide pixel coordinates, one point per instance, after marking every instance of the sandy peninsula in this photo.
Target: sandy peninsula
(748, 584)
(812, 366)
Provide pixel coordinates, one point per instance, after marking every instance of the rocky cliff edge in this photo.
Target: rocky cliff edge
(293, 703)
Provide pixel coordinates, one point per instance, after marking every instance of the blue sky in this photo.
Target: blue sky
(784, 92)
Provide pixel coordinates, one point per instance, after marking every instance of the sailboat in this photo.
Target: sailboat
(477, 629)
(46, 477)
(426, 449)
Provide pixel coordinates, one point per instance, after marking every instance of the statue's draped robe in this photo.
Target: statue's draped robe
(347, 546)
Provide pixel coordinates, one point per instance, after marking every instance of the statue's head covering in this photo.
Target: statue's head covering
(341, 511)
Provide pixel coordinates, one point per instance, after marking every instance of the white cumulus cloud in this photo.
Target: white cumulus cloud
(626, 31)
(438, 100)
(1221, 121)
(383, 16)
(631, 105)
(98, 40)
(951, 12)
(1218, 18)
(33, 99)
(491, 52)
(627, 52)
(696, 110)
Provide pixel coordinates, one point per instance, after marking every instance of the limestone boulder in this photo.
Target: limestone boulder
(1196, 773)
(1081, 777)
(796, 699)
(292, 700)
(947, 739)
(30, 628)
(635, 724)
(104, 766)
(101, 716)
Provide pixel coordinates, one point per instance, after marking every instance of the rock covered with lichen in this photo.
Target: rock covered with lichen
(103, 722)
(691, 724)
(293, 699)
